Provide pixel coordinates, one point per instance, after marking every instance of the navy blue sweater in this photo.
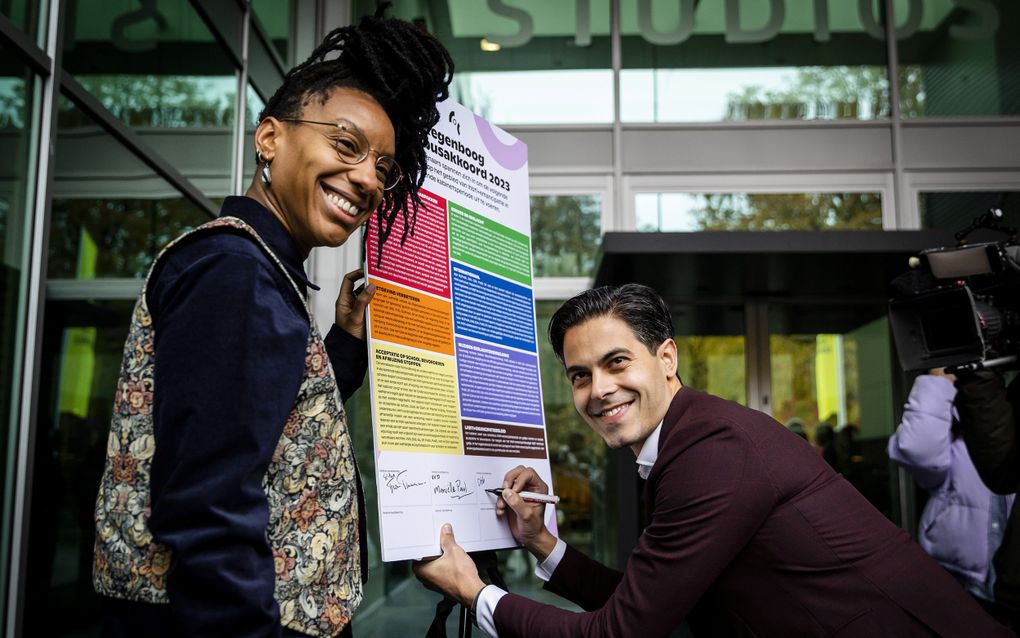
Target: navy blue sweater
(230, 357)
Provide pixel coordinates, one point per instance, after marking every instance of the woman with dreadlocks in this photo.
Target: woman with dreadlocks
(230, 503)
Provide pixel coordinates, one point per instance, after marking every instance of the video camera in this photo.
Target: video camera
(959, 307)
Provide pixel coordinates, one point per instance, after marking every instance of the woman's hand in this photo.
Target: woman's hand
(350, 307)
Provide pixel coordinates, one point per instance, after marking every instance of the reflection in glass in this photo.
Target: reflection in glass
(109, 219)
(681, 212)
(707, 95)
(81, 356)
(537, 96)
(23, 14)
(537, 62)
(114, 237)
(713, 61)
(153, 101)
(958, 58)
(16, 199)
(566, 232)
(274, 16)
(714, 364)
(711, 348)
(835, 390)
(955, 211)
(155, 67)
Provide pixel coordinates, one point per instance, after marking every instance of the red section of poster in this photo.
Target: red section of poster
(423, 262)
(503, 439)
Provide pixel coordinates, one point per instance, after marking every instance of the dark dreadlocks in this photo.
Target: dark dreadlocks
(405, 69)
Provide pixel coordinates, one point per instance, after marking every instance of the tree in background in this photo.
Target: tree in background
(566, 234)
(160, 101)
(817, 93)
(789, 211)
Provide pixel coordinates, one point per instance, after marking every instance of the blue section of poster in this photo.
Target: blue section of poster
(498, 384)
(492, 309)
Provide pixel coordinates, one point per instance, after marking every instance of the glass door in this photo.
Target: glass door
(835, 387)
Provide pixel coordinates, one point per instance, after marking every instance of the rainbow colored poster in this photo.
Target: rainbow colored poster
(456, 396)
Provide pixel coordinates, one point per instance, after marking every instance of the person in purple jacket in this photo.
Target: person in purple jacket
(963, 522)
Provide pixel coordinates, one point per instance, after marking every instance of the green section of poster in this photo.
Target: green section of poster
(481, 242)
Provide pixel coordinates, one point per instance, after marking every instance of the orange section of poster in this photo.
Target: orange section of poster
(404, 316)
(415, 401)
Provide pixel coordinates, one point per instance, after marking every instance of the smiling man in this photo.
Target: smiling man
(747, 522)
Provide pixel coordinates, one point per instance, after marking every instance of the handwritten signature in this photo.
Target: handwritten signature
(457, 489)
(395, 481)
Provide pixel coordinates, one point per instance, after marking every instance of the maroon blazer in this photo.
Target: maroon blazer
(748, 512)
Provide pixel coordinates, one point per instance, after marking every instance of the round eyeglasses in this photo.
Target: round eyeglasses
(352, 148)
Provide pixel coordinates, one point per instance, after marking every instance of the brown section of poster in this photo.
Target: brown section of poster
(502, 439)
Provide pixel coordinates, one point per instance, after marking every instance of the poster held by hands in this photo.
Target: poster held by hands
(453, 359)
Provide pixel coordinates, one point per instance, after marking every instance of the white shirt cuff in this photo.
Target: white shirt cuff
(486, 607)
(545, 569)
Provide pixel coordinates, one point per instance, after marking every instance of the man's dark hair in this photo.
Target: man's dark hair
(405, 69)
(638, 306)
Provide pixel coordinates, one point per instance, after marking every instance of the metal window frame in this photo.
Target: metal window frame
(33, 294)
(131, 141)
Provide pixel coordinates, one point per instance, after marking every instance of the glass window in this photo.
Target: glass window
(109, 218)
(16, 200)
(24, 14)
(955, 211)
(958, 58)
(752, 60)
(82, 346)
(835, 390)
(679, 212)
(535, 62)
(158, 67)
(566, 233)
(711, 348)
(714, 364)
(275, 17)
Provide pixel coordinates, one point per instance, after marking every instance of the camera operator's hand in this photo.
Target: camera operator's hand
(941, 372)
(988, 418)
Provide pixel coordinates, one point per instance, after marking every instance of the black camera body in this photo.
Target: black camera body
(960, 306)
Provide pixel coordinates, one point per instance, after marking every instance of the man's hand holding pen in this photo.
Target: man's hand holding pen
(526, 519)
(454, 573)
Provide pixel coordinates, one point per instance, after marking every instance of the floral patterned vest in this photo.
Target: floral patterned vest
(310, 486)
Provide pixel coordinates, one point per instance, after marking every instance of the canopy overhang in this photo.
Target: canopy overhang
(814, 281)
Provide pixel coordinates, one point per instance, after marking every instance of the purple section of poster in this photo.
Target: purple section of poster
(497, 383)
(509, 157)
